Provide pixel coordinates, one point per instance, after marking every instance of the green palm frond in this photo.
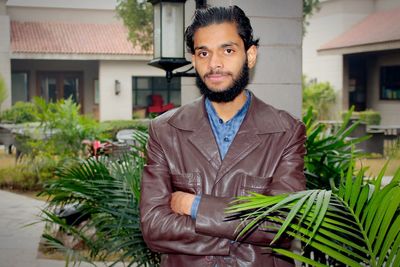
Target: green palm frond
(328, 153)
(108, 191)
(357, 224)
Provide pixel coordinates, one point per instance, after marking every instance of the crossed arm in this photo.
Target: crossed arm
(166, 226)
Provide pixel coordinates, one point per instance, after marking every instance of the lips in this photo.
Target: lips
(216, 77)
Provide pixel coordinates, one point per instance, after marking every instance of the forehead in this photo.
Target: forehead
(217, 34)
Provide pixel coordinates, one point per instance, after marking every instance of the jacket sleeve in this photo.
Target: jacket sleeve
(288, 177)
(162, 229)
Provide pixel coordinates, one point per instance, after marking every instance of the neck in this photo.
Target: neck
(226, 110)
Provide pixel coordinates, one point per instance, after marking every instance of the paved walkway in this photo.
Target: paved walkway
(19, 244)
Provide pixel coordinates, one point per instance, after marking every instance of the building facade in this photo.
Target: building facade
(355, 45)
(79, 49)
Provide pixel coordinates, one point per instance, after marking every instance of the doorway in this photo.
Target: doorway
(357, 82)
(54, 86)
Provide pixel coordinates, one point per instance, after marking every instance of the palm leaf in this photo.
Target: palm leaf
(108, 190)
(354, 225)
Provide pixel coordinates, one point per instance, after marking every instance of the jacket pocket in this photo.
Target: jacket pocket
(186, 182)
(255, 184)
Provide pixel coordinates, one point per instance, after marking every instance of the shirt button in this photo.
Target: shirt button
(226, 139)
(221, 121)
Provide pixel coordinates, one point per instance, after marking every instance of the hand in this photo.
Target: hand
(181, 202)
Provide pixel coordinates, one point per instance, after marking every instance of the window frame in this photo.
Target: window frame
(383, 92)
(153, 89)
(28, 83)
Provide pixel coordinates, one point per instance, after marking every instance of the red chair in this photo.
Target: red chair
(157, 105)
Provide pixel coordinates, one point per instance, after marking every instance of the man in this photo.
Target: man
(226, 144)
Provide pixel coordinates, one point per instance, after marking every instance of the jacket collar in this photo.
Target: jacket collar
(261, 118)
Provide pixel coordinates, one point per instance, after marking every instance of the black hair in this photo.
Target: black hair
(215, 15)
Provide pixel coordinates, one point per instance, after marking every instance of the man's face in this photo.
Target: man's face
(221, 61)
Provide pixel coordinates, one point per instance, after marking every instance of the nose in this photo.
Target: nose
(215, 62)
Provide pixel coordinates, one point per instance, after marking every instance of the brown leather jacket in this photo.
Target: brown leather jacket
(266, 156)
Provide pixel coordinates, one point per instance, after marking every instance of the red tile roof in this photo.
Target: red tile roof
(71, 38)
(378, 27)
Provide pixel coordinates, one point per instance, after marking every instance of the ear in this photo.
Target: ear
(193, 61)
(251, 56)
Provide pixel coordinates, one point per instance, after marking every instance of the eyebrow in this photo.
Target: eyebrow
(230, 43)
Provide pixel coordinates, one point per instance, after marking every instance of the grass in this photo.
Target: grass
(376, 164)
(14, 179)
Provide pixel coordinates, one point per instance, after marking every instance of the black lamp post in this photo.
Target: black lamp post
(168, 40)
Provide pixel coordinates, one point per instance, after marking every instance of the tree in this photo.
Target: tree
(309, 6)
(321, 96)
(137, 16)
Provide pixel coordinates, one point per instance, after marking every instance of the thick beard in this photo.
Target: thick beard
(229, 94)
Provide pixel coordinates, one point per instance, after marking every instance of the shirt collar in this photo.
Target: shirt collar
(243, 110)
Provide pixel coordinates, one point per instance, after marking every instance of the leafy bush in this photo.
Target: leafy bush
(55, 141)
(369, 116)
(110, 128)
(20, 112)
(329, 152)
(3, 91)
(62, 129)
(319, 96)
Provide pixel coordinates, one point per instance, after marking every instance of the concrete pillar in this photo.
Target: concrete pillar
(5, 62)
(276, 78)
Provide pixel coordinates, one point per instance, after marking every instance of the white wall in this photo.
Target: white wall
(386, 4)
(277, 76)
(389, 109)
(119, 107)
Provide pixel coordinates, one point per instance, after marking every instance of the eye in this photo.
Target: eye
(203, 54)
(229, 51)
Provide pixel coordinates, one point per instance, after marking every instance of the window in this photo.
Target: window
(19, 87)
(53, 86)
(144, 87)
(390, 83)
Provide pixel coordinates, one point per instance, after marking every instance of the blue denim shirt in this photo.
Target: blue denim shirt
(224, 133)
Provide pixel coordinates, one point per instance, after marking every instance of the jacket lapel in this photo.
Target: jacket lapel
(193, 118)
(204, 141)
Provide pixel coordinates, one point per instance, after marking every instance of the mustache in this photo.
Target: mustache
(218, 72)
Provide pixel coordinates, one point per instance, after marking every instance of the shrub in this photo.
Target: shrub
(3, 91)
(110, 128)
(369, 116)
(319, 96)
(19, 113)
(56, 141)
